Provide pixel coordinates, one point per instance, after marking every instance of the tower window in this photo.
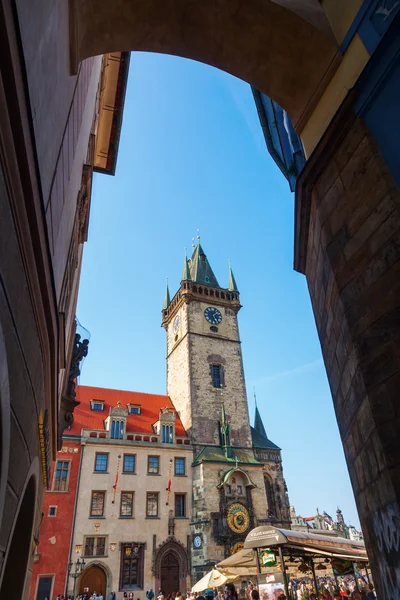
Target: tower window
(217, 376)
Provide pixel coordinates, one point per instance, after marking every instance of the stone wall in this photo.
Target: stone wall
(350, 251)
(189, 372)
(150, 531)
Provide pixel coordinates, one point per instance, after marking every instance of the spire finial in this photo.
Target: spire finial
(198, 234)
(193, 244)
(255, 395)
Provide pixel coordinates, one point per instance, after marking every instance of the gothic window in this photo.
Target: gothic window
(167, 434)
(61, 476)
(270, 496)
(217, 375)
(180, 505)
(117, 430)
(131, 573)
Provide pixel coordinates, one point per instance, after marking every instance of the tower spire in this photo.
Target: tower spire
(232, 287)
(200, 269)
(167, 298)
(258, 424)
(186, 269)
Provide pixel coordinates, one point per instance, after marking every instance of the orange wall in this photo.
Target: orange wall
(54, 557)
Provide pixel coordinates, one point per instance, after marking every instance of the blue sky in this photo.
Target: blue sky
(192, 156)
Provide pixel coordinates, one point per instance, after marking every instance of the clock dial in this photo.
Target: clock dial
(213, 315)
(238, 518)
(197, 541)
(177, 322)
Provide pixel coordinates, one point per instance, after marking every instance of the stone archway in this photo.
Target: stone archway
(170, 566)
(259, 41)
(19, 553)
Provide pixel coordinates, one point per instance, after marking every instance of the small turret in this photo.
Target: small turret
(232, 287)
(167, 298)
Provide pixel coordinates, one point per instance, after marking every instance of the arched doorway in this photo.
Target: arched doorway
(171, 567)
(169, 574)
(93, 580)
(21, 546)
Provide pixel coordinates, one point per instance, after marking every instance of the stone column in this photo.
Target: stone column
(348, 246)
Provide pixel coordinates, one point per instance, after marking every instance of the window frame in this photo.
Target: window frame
(135, 406)
(107, 454)
(69, 461)
(157, 495)
(139, 566)
(45, 576)
(134, 464)
(180, 458)
(98, 402)
(183, 496)
(221, 375)
(148, 464)
(49, 509)
(91, 515)
(131, 516)
(95, 553)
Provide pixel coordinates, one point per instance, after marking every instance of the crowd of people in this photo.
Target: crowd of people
(298, 589)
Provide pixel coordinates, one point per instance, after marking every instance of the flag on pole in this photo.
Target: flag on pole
(116, 479)
(169, 480)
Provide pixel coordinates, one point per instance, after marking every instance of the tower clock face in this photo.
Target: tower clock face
(197, 541)
(213, 315)
(177, 322)
(238, 518)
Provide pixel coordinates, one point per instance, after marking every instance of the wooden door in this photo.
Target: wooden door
(169, 574)
(93, 578)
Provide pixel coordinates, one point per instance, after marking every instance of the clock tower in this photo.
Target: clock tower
(204, 356)
(233, 490)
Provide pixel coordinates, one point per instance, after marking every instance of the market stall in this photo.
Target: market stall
(271, 551)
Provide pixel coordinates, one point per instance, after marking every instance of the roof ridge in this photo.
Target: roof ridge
(123, 391)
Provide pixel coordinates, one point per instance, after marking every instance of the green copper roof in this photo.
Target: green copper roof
(200, 270)
(186, 270)
(258, 424)
(167, 298)
(232, 287)
(216, 454)
(260, 441)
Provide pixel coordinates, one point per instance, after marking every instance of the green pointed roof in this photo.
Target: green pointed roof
(167, 298)
(259, 435)
(186, 270)
(232, 287)
(200, 269)
(258, 424)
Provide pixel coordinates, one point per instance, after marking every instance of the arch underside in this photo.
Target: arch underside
(259, 41)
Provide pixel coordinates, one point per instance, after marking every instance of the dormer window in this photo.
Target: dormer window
(167, 434)
(134, 409)
(97, 405)
(117, 430)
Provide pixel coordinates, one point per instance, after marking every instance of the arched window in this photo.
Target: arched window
(167, 434)
(112, 429)
(270, 496)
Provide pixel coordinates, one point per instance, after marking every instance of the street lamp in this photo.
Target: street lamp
(79, 567)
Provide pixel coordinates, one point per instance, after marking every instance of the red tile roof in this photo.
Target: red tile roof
(85, 418)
